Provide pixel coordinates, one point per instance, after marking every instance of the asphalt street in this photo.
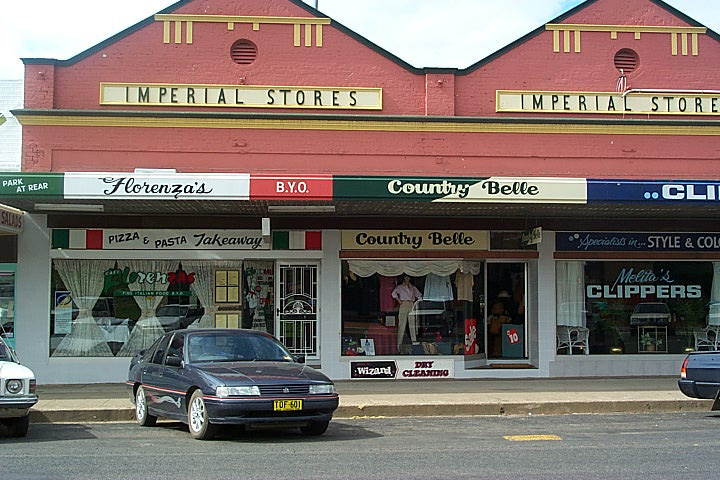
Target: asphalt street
(619, 446)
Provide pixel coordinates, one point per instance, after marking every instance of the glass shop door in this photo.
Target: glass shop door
(506, 320)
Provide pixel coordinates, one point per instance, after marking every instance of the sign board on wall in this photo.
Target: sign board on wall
(157, 186)
(11, 220)
(607, 102)
(141, 239)
(478, 190)
(285, 187)
(413, 369)
(654, 191)
(255, 96)
(636, 242)
(415, 240)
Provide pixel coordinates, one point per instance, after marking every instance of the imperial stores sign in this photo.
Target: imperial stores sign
(154, 94)
(607, 102)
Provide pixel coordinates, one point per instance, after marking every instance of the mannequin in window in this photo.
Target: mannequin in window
(405, 294)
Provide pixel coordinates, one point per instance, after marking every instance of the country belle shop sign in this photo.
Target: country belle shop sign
(415, 240)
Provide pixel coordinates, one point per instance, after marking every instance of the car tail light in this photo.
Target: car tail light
(32, 386)
(683, 369)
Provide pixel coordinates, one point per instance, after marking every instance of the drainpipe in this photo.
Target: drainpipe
(659, 90)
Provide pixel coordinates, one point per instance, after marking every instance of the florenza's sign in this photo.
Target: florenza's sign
(607, 102)
(170, 95)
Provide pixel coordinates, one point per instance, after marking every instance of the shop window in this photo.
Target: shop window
(227, 286)
(7, 306)
(103, 308)
(636, 307)
(412, 307)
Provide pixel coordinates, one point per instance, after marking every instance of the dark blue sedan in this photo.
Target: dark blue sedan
(207, 377)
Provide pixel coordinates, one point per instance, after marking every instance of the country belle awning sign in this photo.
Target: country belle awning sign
(325, 187)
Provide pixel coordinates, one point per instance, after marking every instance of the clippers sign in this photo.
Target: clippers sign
(658, 191)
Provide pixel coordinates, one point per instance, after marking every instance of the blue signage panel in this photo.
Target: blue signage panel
(657, 191)
(636, 242)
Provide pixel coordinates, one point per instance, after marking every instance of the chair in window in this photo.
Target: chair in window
(569, 337)
(707, 338)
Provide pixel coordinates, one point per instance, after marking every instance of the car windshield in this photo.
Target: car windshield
(235, 347)
(5, 353)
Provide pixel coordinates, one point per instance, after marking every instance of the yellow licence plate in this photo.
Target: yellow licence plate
(287, 405)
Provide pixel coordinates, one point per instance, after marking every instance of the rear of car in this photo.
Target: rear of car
(700, 376)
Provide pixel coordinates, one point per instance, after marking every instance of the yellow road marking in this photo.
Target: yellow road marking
(530, 438)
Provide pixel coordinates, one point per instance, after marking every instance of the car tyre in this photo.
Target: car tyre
(18, 427)
(144, 419)
(198, 421)
(315, 428)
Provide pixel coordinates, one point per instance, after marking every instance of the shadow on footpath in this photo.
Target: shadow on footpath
(48, 433)
(338, 431)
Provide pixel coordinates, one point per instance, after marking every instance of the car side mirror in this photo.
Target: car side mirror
(299, 358)
(173, 361)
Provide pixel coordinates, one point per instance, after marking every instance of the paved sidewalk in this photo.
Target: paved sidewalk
(111, 402)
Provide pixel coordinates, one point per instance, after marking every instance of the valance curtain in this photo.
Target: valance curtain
(85, 280)
(571, 294)
(148, 327)
(204, 285)
(414, 268)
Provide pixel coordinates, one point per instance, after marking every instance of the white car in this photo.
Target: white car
(17, 392)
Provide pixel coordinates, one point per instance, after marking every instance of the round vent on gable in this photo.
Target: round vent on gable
(243, 52)
(626, 60)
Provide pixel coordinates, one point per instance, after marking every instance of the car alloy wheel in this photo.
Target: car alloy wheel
(198, 421)
(142, 416)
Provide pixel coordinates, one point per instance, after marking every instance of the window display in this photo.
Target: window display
(412, 307)
(104, 308)
(635, 307)
(7, 307)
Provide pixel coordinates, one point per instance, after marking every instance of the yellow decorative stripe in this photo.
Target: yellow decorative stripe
(637, 30)
(531, 438)
(366, 125)
(189, 33)
(242, 19)
(623, 28)
(231, 20)
(577, 42)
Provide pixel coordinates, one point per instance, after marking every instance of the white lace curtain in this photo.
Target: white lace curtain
(571, 294)
(204, 285)
(414, 268)
(714, 316)
(148, 327)
(85, 280)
